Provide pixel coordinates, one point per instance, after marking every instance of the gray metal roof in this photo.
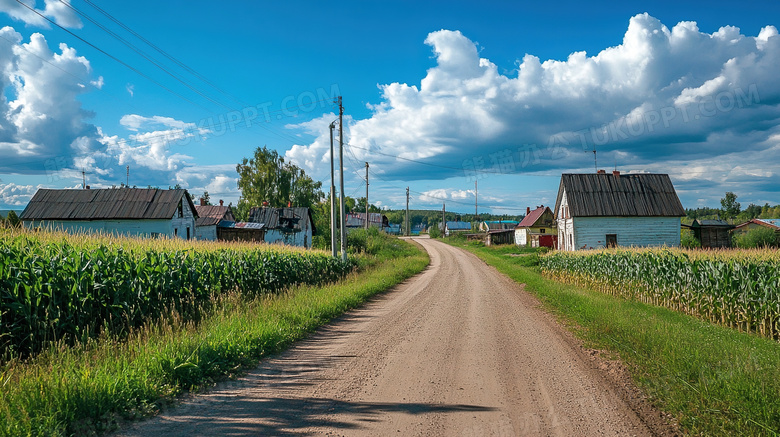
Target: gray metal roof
(270, 217)
(211, 215)
(102, 204)
(631, 195)
(711, 223)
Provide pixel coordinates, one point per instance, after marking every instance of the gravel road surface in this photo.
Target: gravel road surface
(459, 350)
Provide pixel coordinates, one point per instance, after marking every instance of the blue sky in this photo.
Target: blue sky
(436, 95)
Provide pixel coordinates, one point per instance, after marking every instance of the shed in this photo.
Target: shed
(146, 212)
(493, 225)
(293, 226)
(712, 233)
(241, 231)
(597, 210)
(500, 236)
(537, 229)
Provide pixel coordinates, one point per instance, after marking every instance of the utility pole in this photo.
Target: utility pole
(443, 219)
(408, 231)
(332, 197)
(476, 196)
(366, 196)
(341, 183)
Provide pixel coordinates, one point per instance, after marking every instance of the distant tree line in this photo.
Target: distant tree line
(732, 210)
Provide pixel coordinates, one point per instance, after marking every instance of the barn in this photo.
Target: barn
(597, 210)
(144, 212)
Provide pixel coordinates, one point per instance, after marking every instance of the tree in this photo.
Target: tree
(13, 220)
(206, 198)
(730, 206)
(266, 177)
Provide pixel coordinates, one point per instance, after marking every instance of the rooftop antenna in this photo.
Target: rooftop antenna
(128, 177)
(83, 179)
(595, 162)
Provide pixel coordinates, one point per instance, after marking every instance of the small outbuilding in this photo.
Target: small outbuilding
(712, 234)
(500, 236)
(453, 227)
(293, 226)
(210, 217)
(144, 212)
(495, 225)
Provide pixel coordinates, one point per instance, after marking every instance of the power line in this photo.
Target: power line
(426, 163)
(131, 68)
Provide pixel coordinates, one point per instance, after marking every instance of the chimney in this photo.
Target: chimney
(616, 173)
(527, 210)
(602, 172)
(265, 203)
(87, 187)
(221, 202)
(289, 204)
(202, 201)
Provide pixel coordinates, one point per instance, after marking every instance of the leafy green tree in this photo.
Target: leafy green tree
(729, 205)
(206, 198)
(13, 220)
(757, 238)
(266, 177)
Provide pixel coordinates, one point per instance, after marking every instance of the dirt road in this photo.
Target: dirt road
(459, 350)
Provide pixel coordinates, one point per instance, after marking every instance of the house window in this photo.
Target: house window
(541, 231)
(611, 240)
(181, 208)
(175, 232)
(188, 232)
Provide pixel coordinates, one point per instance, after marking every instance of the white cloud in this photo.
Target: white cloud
(15, 195)
(663, 95)
(53, 9)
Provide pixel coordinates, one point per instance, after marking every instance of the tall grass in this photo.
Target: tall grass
(59, 287)
(738, 289)
(89, 388)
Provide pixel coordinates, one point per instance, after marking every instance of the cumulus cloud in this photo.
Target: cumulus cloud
(663, 95)
(41, 118)
(15, 195)
(29, 14)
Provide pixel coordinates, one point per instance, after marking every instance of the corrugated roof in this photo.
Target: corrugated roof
(458, 225)
(532, 217)
(102, 204)
(270, 217)
(210, 215)
(717, 223)
(602, 195)
(769, 223)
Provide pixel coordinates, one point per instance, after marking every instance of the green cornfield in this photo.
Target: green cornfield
(56, 287)
(735, 288)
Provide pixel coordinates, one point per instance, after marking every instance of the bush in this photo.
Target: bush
(434, 232)
(688, 240)
(756, 238)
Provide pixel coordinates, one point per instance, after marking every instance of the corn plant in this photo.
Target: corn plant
(57, 287)
(738, 288)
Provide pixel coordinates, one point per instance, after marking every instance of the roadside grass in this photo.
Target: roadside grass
(713, 380)
(91, 388)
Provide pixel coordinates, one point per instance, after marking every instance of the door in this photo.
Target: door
(611, 240)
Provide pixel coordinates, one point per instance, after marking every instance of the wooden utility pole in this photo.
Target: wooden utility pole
(332, 197)
(366, 196)
(408, 231)
(341, 183)
(476, 196)
(443, 219)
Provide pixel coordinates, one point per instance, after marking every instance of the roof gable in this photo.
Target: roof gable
(533, 217)
(103, 204)
(632, 195)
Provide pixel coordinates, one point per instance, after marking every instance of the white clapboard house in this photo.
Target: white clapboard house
(599, 210)
(144, 212)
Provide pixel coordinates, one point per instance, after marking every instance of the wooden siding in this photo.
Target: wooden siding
(140, 228)
(206, 232)
(591, 232)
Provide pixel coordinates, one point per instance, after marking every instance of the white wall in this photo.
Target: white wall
(590, 232)
(142, 228)
(180, 225)
(521, 236)
(206, 232)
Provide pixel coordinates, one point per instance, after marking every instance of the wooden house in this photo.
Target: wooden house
(209, 219)
(293, 226)
(712, 233)
(537, 229)
(599, 210)
(146, 212)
